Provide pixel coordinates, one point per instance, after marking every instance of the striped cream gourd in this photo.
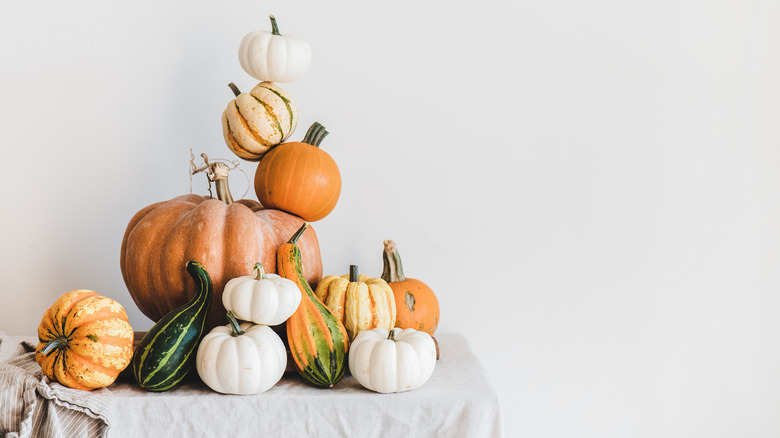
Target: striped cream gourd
(167, 352)
(359, 301)
(255, 122)
(318, 340)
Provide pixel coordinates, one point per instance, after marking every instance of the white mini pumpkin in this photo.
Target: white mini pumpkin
(394, 361)
(241, 359)
(273, 57)
(263, 298)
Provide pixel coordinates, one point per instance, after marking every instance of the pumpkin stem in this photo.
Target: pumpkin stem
(315, 134)
(259, 271)
(274, 26)
(294, 239)
(55, 344)
(235, 89)
(354, 276)
(393, 269)
(234, 324)
(391, 335)
(218, 172)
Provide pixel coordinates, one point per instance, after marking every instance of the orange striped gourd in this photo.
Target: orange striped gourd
(85, 340)
(318, 340)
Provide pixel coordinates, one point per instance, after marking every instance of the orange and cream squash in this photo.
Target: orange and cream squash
(85, 340)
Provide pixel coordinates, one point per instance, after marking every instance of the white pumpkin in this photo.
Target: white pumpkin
(266, 299)
(273, 57)
(257, 121)
(394, 361)
(241, 359)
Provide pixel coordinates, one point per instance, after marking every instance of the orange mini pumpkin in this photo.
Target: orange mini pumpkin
(416, 305)
(299, 177)
(85, 340)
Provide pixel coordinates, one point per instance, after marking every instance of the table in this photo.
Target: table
(456, 402)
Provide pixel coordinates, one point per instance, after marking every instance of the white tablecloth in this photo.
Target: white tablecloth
(456, 402)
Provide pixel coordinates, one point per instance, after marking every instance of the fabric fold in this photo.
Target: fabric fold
(35, 407)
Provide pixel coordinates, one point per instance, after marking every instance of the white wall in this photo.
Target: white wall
(592, 188)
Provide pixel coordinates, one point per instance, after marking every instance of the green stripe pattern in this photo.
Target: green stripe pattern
(167, 353)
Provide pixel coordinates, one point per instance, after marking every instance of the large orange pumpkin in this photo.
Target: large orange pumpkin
(299, 177)
(228, 238)
(85, 340)
(416, 305)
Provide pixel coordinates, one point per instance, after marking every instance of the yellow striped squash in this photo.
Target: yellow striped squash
(255, 122)
(359, 301)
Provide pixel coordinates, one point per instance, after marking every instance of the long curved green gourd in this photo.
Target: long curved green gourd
(318, 340)
(167, 352)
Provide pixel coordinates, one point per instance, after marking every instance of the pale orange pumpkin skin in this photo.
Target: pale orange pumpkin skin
(299, 178)
(228, 239)
(95, 340)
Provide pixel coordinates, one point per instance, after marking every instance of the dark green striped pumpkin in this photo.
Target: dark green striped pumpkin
(167, 352)
(255, 122)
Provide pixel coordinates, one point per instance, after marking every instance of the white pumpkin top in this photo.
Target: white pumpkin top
(263, 299)
(273, 57)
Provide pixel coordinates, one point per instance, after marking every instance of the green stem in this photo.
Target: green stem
(391, 335)
(354, 276)
(298, 234)
(235, 89)
(54, 344)
(315, 134)
(259, 271)
(393, 269)
(274, 26)
(234, 325)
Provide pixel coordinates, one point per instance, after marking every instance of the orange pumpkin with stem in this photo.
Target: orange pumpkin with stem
(228, 237)
(299, 177)
(416, 305)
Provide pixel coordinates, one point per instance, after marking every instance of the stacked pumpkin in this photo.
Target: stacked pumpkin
(215, 274)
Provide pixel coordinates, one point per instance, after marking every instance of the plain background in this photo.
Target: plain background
(591, 187)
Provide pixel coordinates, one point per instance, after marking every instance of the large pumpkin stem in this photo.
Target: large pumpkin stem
(218, 172)
(393, 270)
(55, 344)
(354, 276)
(315, 134)
(274, 26)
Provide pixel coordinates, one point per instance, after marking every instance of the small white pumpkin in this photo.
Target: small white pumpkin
(394, 361)
(241, 359)
(266, 299)
(257, 121)
(273, 57)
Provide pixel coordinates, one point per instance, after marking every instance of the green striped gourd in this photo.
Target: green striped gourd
(167, 352)
(255, 122)
(318, 340)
